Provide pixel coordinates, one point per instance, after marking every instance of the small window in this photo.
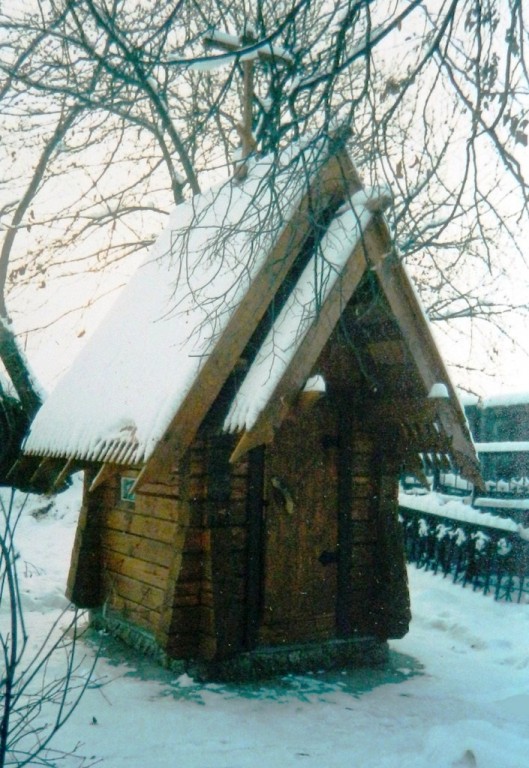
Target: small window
(127, 494)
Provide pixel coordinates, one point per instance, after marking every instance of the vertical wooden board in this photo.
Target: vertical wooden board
(391, 607)
(254, 553)
(84, 586)
(228, 590)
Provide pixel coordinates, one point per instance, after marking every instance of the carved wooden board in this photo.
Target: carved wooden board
(299, 600)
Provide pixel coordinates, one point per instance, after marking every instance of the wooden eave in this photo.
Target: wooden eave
(375, 250)
(37, 474)
(417, 336)
(336, 179)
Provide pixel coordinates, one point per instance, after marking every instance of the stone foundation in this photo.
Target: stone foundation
(258, 664)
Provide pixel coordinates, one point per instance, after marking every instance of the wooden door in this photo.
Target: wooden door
(301, 530)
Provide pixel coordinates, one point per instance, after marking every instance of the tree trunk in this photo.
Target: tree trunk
(17, 368)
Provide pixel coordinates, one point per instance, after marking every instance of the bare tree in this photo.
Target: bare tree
(39, 688)
(113, 111)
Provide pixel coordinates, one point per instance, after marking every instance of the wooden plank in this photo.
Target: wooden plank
(391, 605)
(43, 468)
(258, 436)
(346, 424)
(387, 352)
(328, 184)
(254, 566)
(361, 509)
(137, 614)
(140, 525)
(65, 472)
(135, 546)
(147, 573)
(382, 412)
(158, 507)
(170, 490)
(133, 591)
(301, 529)
(363, 532)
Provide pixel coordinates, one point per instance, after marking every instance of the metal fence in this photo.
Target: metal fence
(494, 560)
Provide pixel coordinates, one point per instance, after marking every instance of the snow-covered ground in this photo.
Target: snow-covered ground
(456, 693)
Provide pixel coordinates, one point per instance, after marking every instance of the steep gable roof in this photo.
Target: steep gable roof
(302, 226)
(177, 329)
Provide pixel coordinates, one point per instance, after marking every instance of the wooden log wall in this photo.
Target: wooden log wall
(137, 550)
(359, 593)
(152, 560)
(376, 601)
(391, 612)
(224, 589)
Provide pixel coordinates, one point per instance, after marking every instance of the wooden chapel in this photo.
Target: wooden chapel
(242, 417)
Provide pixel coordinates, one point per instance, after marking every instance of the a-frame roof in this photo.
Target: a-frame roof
(140, 390)
(180, 324)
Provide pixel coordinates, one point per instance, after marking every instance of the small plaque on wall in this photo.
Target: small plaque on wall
(127, 494)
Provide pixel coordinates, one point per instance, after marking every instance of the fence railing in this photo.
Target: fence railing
(488, 558)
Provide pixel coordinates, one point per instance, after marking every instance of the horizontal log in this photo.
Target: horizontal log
(363, 442)
(238, 487)
(196, 487)
(363, 487)
(140, 525)
(131, 611)
(362, 464)
(134, 591)
(185, 589)
(165, 490)
(192, 567)
(186, 620)
(361, 509)
(135, 546)
(363, 555)
(363, 532)
(157, 507)
(147, 573)
(299, 629)
(208, 646)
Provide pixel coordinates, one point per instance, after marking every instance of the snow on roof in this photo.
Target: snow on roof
(505, 446)
(314, 285)
(467, 399)
(120, 395)
(505, 400)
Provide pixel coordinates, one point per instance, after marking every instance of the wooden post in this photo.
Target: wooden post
(84, 586)
(391, 613)
(254, 516)
(345, 532)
